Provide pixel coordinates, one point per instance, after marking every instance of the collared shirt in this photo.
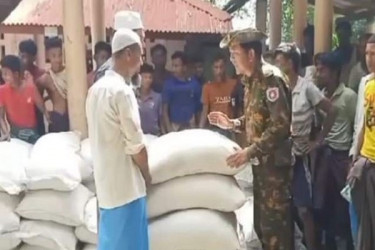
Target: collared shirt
(150, 108)
(183, 99)
(344, 100)
(305, 96)
(115, 135)
(359, 115)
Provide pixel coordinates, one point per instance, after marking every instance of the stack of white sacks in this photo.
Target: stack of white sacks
(54, 201)
(191, 201)
(14, 156)
(193, 196)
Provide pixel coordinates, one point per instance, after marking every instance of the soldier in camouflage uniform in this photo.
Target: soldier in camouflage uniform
(267, 122)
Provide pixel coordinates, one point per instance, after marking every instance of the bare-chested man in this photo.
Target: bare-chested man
(54, 82)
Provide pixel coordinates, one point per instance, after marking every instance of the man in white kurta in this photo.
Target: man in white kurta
(117, 143)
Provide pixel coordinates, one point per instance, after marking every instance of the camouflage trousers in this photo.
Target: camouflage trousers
(272, 205)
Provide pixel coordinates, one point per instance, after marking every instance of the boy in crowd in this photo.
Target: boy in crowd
(181, 97)
(28, 51)
(54, 82)
(18, 99)
(150, 105)
(161, 74)
(333, 163)
(103, 52)
(217, 94)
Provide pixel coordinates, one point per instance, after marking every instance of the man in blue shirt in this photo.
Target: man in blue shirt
(181, 97)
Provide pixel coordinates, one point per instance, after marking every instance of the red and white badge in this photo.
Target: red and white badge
(272, 94)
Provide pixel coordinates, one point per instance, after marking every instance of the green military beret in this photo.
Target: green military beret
(242, 36)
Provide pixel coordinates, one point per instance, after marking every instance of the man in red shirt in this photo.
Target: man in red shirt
(18, 99)
(28, 51)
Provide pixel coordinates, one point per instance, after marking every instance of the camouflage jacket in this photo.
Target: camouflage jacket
(267, 114)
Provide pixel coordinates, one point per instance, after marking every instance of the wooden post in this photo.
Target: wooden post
(323, 25)
(276, 7)
(97, 22)
(299, 21)
(41, 54)
(261, 15)
(75, 53)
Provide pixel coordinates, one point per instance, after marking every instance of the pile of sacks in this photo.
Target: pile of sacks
(193, 196)
(14, 156)
(54, 200)
(190, 204)
(194, 193)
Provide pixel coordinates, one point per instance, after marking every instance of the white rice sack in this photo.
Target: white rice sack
(14, 157)
(88, 231)
(90, 247)
(29, 247)
(90, 185)
(9, 240)
(9, 220)
(190, 152)
(58, 170)
(194, 229)
(48, 234)
(55, 163)
(150, 138)
(211, 191)
(58, 141)
(245, 218)
(245, 177)
(65, 208)
(86, 151)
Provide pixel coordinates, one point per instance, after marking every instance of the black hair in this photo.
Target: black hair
(102, 46)
(329, 60)
(371, 40)
(158, 47)
(345, 25)
(28, 47)
(197, 59)
(147, 68)
(290, 52)
(255, 45)
(309, 31)
(180, 55)
(53, 42)
(12, 62)
(219, 57)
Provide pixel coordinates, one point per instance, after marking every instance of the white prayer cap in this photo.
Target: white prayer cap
(128, 19)
(124, 38)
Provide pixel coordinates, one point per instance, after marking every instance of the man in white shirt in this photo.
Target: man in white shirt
(117, 143)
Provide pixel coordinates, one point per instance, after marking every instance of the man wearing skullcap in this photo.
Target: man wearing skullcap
(129, 20)
(267, 122)
(118, 146)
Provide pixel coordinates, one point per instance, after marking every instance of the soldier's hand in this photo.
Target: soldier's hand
(238, 159)
(220, 120)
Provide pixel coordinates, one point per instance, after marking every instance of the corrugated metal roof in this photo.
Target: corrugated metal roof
(354, 8)
(183, 16)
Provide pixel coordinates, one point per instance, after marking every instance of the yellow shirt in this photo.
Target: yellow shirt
(368, 148)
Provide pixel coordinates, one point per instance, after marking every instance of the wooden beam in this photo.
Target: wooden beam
(75, 55)
(323, 25)
(97, 22)
(276, 7)
(261, 15)
(299, 21)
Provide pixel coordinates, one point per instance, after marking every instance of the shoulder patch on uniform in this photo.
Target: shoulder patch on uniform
(272, 94)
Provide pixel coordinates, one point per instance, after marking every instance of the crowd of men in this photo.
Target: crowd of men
(308, 118)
